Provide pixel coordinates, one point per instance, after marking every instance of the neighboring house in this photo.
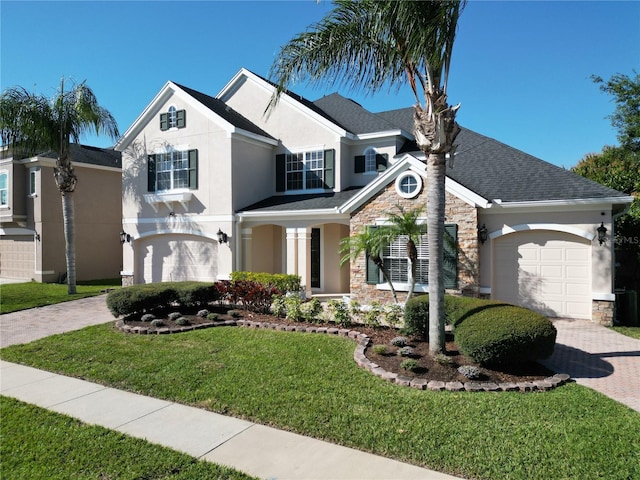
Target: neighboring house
(212, 185)
(32, 245)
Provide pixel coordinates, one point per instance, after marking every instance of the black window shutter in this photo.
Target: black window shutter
(280, 173)
(372, 271)
(381, 161)
(181, 118)
(151, 173)
(193, 169)
(359, 164)
(164, 121)
(451, 256)
(329, 168)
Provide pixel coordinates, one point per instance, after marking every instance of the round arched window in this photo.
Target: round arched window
(408, 184)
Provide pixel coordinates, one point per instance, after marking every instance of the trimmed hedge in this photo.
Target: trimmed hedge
(487, 331)
(282, 281)
(499, 334)
(139, 299)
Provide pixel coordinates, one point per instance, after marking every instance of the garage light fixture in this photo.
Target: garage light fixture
(125, 237)
(222, 237)
(483, 234)
(602, 233)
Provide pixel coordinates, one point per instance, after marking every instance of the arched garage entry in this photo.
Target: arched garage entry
(176, 257)
(546, 271)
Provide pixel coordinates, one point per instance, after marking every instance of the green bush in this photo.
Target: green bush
(499, 334)
(416, 317)
(139, 299)
(282, 281)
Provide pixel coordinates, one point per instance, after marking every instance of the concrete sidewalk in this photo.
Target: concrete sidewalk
(255, 449)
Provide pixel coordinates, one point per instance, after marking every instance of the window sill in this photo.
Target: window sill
(168, 199)
(404, 287)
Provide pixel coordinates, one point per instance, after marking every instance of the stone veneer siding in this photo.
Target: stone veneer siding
(602, 312)
(456, 211)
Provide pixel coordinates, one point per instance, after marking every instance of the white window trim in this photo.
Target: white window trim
(404, 175)
(304, 151)
(5, 206)
(33, 172)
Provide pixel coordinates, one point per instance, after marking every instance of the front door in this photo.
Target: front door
(315, 258)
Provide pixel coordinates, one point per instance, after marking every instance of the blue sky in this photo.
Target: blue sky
(521, 70)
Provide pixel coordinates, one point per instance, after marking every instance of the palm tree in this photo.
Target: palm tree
(31, 124)
(375, 45)
(370, 241)
(404, 224)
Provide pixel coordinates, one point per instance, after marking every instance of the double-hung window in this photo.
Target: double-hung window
(396, 262)
(310, 170)
(173, 170)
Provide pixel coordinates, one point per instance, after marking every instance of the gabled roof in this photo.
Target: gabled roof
(216, 109)
(104, 157)
(353, 116)
(486, 166)
(225, 111)
(311, 201)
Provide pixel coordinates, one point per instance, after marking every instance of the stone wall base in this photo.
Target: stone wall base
(602, 312)
(127, 280)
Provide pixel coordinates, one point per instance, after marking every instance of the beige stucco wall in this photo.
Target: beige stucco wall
(335, 278)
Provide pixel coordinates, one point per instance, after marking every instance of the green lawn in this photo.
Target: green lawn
(633, 332)
(37, 443)
(21, 296)
(309, 384)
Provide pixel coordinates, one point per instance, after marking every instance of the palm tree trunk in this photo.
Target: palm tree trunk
(378, 261)
(412, 255)
(436, 170)
(70, 240)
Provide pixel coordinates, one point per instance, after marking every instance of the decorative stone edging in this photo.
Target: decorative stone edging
(359, 356)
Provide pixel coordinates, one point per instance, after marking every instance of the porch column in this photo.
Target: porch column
(246, 264)
(299, 254)
(304, 258)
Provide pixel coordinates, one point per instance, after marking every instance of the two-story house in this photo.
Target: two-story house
(32, 244)
(213, 184)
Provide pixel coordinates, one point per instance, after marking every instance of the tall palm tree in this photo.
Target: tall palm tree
(374, 45)
(370, 241)
(31, 124)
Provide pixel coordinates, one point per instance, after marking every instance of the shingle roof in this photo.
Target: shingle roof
(488, 167)
(310, 201)
(105, 157)
(352, 116)
(225, 111)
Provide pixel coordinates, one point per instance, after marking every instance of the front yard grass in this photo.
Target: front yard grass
(37, 443)
(309, 384)
(20, 296)
(633, 332)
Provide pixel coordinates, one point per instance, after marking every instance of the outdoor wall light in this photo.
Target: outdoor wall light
(222, 237)
(125, 237)
(602, 233)
(483, 234)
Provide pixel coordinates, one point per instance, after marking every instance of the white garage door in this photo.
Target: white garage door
(549, 272)
(174, 258)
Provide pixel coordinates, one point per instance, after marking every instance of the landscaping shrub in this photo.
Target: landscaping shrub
(499, 334)
(399, 341)
(409, 365)
(339, 311)
(150, 297)
(251, 295)
(416, 317)
(282, 281)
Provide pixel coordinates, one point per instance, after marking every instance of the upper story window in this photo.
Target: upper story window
(32, 181)
(173, 170)
(371, 161)
(4, 189)
(173, 118)
(310, 170)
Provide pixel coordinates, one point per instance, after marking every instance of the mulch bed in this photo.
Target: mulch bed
(428, 368)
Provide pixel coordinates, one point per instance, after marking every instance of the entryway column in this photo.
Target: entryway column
(247, 250)
(299, 255)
